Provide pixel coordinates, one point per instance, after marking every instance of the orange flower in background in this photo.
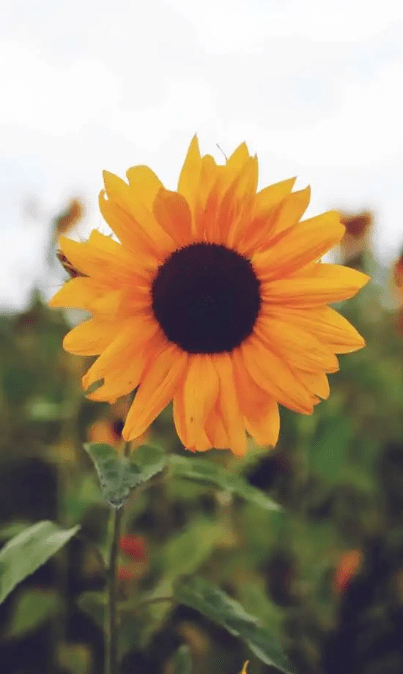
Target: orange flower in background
(69, 218)
(398, 272)
(355, 239)
(397, 284)
(103, 431)
(214, 298)
(349, 565)
(109, 432)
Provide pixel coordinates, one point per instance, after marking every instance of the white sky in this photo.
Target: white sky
(313, 86)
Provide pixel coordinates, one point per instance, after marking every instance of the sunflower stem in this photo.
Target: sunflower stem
(111, 634)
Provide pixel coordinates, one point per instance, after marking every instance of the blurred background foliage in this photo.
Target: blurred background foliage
(325, 574)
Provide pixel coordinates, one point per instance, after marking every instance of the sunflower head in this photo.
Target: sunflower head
(212, 296)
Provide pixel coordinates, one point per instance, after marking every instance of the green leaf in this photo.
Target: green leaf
(25, 553)
(119, 474)
(327, 456)
(31, 610)
(207, 472)
(186, 551)
(182, 662)
(47, 410)
(212, 602)
(94, 604)
(75, 658)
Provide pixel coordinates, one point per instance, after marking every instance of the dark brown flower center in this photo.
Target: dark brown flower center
(206, 298)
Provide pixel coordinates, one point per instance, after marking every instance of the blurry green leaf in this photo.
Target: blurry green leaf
(80, 493)
(182, 661)
(327, 455)
(182, 554)
(26, 552)
(253, 596)
(207, 472)
(31, 609)
(118, 474)
(212, 602)
(187, 551)
(130, 633)
(94, 604)
(47, 410)
(75, 658)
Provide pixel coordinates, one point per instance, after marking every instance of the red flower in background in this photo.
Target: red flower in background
(134, 546)
(135, 549)
(349, 565)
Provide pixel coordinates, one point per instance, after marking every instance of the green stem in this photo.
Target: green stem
(111, 656)
(111, 633)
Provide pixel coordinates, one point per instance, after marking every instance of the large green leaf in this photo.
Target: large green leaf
(205, 471)
(212, 602)
(119, 474)
(25, 553)
(31, 610)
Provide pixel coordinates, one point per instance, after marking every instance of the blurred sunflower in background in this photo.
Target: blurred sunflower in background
(214, 297)
(356, 240)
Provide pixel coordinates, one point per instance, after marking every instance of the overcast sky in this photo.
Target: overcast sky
(313, 86)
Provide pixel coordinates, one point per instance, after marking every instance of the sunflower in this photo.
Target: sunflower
(213, 297)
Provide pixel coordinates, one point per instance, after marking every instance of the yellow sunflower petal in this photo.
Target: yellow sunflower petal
(129, 232)
(272, 195)
(80, 292)
(89, 338)
(179, 415)
(238, 158)
(316, 382)
(266, 210)
(202, 442)
(327, 283)
(273, 375)
(157, 388)
(295, 247)
(173, 214)
(325, 324)
(145, 183)
(216, 431)
(200, 394)
(190, 174)
(139, 209)
(208, 176)
(112, 266)
(292, 209)
(260, 411)
(297, 347)
(129, 341)
(229, 404)
(238, 219)
(225, 188)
